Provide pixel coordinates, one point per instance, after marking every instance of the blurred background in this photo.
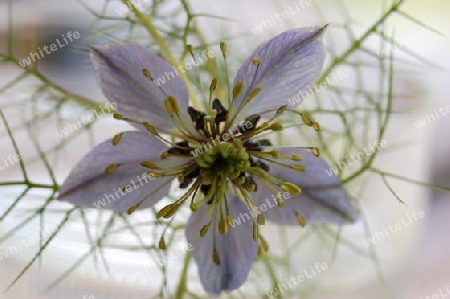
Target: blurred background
(410, 175)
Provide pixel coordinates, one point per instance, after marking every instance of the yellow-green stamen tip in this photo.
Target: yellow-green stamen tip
(147, 74)
(223, 227)
(281, 110)
(148, 164)
(162, 244)
(260, 219)
(118, 116)
(204, 230)
(296, 157)
(315, 151)
(171, 105)
(276, 127)
(111, 168)
(255, 232)
(223, 49)
(194, 207)
(254, 93)
(317, 126)
(237, 89)
(132, 209)
(306, 119)
(116, 139)
(301, 220)
(213, 85)
(292, 188)
(150, 128)
(298, 168)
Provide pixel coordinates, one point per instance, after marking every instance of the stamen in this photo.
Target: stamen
(223, 227)
(301, 220)
(212, 88)
(315, 151)
(116, 139)
(204, 230)
(260, 219)
(162, 244)
(256, 62)
(237, 90)
(149, 127)
(291, 188)
(317, 126)
(172, 105)
(296, 157)
(306, 119)
(136, 206)
(148, 164)
(276, 127)
(111, 168)
(223, 49)
(255, 232)
(147, 74)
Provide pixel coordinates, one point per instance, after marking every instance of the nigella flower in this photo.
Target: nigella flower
(227, 172)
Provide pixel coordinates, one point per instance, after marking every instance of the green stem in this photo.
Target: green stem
(183, 277)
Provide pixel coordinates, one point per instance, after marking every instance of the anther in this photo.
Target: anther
(298, 168)
(194, 207)
(237, 89)
(253, 94)
(317, 126)
(292, 188)
(111, 168)
(296, 157)
(276, 127)
(223, 49)
(118, 116)
(162, 244)
(260, 219)
(306, 119)
(300, 219)
(280, 202)
(213, 85)
(255, 232)
(150, 128)
(189, 49)
(315, 151)
(132, 209)
(172, 105)
(165, 211)
(204, 230)
(147, 74)
(116, 139)
(256, 61)
(281, 110)
(223, 227)
(148, 164)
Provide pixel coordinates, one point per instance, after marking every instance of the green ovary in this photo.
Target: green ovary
(226, 160)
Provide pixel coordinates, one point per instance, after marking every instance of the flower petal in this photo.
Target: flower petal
(236, 249)
(289, 64)
(89, 186)
(323, 198)
(119, 73)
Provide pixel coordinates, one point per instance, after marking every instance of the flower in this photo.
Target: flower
(218, 159)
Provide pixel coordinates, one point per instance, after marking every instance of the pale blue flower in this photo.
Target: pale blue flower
(229, 178)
